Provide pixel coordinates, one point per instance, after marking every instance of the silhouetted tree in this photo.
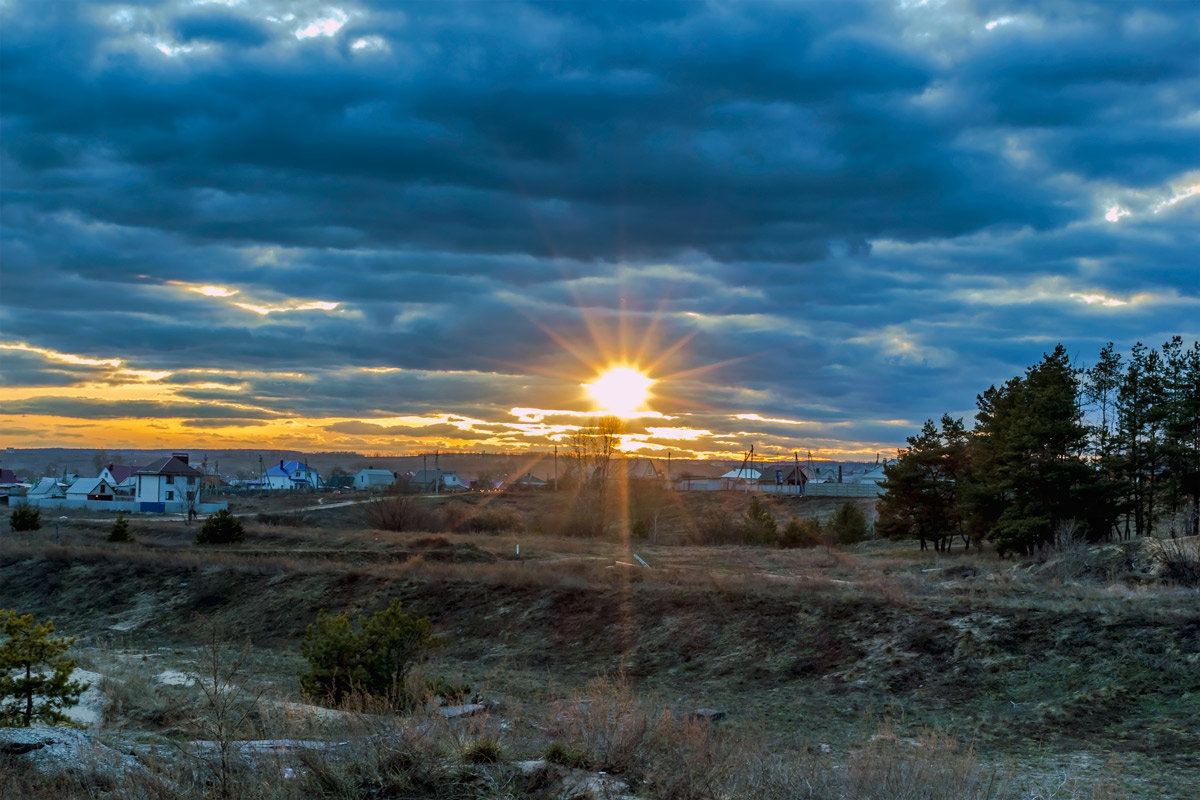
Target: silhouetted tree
(922, 488)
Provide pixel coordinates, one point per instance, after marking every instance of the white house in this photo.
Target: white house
(643, 469)
(291, 475)
(373, 479)
(45, 489)
(91, 489)
(875, 476)
(121, 478)
(431, 480)
(168, 483)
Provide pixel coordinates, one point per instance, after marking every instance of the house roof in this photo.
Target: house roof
(376, 473)
(287, 468)
(788, 471)
(643, 468)
(427, 475)
(744, 474)
(171, 465)
(121, 472)
(47, 486)
(88, 486)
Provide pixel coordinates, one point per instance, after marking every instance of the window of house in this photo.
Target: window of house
(170, 495)
(170, 479)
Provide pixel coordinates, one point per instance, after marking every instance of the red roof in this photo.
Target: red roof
(121, 472)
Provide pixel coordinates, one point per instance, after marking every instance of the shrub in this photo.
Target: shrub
(221, 528)
(495, 520)
(574, 757)
(25, 519)
(401, 514)
(849, 524)
(800, 533)
(368, 657)
(1180, 563)
(119, 532)
(758, 524)
(485, 750)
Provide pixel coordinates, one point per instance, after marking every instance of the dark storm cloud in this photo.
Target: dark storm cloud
(104, 409)
(848, 211)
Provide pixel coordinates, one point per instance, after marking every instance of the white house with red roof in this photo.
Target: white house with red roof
(120, 476)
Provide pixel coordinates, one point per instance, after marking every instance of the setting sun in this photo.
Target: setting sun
(621, 391)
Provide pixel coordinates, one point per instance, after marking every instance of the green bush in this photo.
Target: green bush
(25, 519)
(368, 657)
(221, 528)
(119, 532)
(758, 524)
(800, 533)
(849, 524)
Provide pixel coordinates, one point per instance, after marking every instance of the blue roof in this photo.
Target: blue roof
(287, 469)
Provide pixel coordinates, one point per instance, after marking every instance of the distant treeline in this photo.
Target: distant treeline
(1058, 454)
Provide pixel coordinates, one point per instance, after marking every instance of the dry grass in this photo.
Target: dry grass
(964, 645)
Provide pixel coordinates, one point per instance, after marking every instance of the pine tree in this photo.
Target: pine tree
(922, 500)
(35, 675)
(1029, 481)
(119, 532)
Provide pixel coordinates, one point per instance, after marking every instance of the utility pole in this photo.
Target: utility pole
(556, 468)
(424, 466)
(796, 454)
(437, 472)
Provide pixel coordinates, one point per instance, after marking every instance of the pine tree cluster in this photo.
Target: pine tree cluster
(1059, 453)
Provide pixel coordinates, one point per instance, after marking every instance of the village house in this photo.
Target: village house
(121, 478)
(91, 489)
(377, 479)
(167, 484)
(438, 480)
(291, 475)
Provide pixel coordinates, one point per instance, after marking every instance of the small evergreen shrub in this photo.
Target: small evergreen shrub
(800, 533)
(849, 524)
(366, 657)
(759, 525)
(25, 519)
(119, 532)
(221, 528)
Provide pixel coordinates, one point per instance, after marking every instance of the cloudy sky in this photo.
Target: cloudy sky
(390, 227)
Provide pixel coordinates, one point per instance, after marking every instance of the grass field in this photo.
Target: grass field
(870, 671)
